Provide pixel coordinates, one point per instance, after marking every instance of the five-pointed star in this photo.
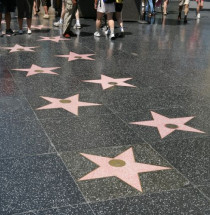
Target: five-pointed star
(38, 27)
(53, 39)
(34, 70)
(122, 166)
(18, 48)
(167, 125)
(70, 104)
(74, 56)
(107, 82)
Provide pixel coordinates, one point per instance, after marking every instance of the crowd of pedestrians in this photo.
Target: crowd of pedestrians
(69, 9)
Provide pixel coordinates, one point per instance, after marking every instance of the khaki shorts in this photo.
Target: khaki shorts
(183, 2)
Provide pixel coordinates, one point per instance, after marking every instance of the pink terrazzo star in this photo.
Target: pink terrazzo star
(18, 48)
(74, 56)
(34, 70)
(70, 104)
(122, 166)
(107, 82)
(167, 125)
(38, 27)
(53, 39)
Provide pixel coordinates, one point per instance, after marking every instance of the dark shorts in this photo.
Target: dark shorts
(118, 7)
(7, 6)
(25, 8)
(46, 3)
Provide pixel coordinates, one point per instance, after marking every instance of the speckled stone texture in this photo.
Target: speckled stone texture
(40, 160)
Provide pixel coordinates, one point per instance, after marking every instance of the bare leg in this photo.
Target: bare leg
(63, 11)
(37, 5)
(29, 23)
(186, 9)
(110, 20)
(45, 9)
(8, 20)
(165, 5)
(34, 8)
(180, 12)
(77, 25)
(111, 25)
(119, 19)
(98, 20)
(77, 15)
(20, 22)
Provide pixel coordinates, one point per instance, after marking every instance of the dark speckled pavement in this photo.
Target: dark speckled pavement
(90, 126)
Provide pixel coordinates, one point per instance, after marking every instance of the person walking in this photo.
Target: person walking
(105, 7)
(183, 3)
(71, 8)
(199, 8)
(46, 5)
(6, 7)
(36, 7)
(118, 13)
(25, 8)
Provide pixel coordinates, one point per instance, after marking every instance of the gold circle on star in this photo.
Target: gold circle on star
(117, 163)
(78, 57)
(20, 49)
(171, 126)
(65, 101)
(112, 83)
(38, 70)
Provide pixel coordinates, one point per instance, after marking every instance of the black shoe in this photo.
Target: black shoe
(179, 17)
(185, 19)
(9, 32)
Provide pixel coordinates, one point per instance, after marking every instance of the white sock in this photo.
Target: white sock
(61, 20)
(77, 22)
(121, 29)
(112, 30)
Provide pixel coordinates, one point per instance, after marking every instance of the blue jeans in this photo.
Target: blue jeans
(150, 3)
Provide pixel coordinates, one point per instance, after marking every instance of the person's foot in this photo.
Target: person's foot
(46, 16)
(1, 33)
(29, 31)
(185, 19)
(9, 32)
(97, 34)
(77, 26)
(67, 35)
(198, 16)
(57, 24)
(112, 36)
(20, 32)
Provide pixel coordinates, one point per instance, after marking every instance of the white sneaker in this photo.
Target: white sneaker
(97, 34)
(112, 36)
(46, 16)
(57, 24)
(20, 32)
(198, 16)
(77, 26)
(29, 31)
